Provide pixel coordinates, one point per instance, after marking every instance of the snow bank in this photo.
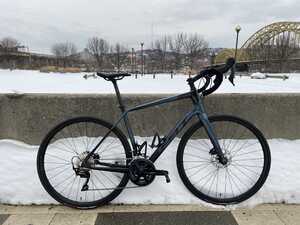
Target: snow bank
(19, 183)
(258, 76)
(22, 81)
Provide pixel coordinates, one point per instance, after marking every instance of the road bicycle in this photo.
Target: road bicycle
(86, 162)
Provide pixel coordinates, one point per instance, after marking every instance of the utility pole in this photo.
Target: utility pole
(132, 64)
(142, 58)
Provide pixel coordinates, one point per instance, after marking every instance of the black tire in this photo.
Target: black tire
(205, 160)
(68, 141)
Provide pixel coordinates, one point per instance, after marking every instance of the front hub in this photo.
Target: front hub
(221, 162)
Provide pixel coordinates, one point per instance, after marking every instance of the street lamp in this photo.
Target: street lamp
(237, 29)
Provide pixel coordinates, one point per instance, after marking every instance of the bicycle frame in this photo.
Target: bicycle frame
(198, 111)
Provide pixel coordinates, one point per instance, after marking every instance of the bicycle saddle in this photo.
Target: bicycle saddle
(113, 76)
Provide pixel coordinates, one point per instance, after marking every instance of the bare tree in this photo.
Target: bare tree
(176, 48)
(9, 44)
(161, 45)
(194, 47)
(98, 47)
(64, 51)
(119, 56)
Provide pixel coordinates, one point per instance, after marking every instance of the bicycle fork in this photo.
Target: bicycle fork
(202, 116)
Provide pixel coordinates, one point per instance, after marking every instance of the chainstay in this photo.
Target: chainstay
(117, 188)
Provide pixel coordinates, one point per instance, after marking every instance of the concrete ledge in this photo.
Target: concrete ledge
(28, 117)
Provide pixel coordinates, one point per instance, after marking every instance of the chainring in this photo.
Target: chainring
(141, 171)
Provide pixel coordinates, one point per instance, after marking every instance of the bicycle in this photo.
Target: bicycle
(86, 162)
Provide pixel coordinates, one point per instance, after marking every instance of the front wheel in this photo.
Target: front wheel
(241, 177)
(60, 156)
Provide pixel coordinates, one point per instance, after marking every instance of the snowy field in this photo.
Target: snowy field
(21, 81)
(19, 183)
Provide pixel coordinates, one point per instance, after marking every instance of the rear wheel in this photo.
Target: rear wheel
(63, 150)
(241, 177)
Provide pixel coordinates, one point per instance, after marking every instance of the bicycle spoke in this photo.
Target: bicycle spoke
(54, 156)
(196, 156)
(193, 167)
(247, 153)
(199, 169)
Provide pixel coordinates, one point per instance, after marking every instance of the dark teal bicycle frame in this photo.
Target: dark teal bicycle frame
(198, 111)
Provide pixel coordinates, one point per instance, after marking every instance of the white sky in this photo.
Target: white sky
(41, 23)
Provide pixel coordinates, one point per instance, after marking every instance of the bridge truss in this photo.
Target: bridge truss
(279, 40)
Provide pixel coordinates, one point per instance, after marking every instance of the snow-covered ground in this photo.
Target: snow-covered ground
(19, 183)
(22, 81)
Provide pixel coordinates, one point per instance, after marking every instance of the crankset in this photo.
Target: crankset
(142, 172)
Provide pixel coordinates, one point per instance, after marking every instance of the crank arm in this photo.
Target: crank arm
(162, 173)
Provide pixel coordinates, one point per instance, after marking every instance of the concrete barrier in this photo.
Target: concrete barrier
(29, 117)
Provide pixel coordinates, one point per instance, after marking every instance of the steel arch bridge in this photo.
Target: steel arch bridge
(270, 32)
(271, 48)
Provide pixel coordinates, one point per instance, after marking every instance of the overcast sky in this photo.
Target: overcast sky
(40, 23)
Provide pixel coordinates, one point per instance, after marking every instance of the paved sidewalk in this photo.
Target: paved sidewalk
(270, 214)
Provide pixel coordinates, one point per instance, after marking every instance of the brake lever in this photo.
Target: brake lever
(232, 75)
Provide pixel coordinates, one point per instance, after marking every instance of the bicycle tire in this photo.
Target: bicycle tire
(44, 177)
(217, 199)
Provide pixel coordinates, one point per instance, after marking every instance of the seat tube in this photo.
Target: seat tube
(125, 116)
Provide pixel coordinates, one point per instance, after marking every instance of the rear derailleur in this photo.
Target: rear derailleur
(80, 170)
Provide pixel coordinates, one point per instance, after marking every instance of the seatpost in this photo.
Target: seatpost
(121, 105)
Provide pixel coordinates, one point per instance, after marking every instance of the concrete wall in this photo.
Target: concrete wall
(29, 117)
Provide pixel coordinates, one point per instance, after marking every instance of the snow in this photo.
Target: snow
(19, 183)
(258, 75)
(26, 81)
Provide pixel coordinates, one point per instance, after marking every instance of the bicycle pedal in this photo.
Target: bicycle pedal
(163, 173)
(167, 178)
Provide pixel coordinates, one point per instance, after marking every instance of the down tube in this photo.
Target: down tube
(172, 134)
